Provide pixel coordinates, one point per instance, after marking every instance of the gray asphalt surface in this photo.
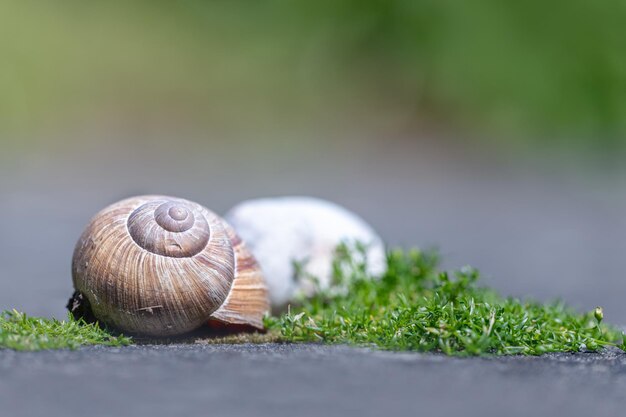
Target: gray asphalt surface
(531, 232)
(305, 380)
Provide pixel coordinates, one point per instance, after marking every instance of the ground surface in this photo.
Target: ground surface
(305, 380)
(530, 232)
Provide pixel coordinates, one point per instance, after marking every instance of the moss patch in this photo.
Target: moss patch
(415, 306)
(418, 307)
(21, 332)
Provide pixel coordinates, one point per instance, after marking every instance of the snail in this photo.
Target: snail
(281, 231)
(161, 266)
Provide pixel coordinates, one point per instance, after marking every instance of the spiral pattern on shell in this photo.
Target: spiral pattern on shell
(160, 265)
(169, 228)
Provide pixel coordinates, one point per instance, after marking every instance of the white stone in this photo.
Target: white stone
(281, 231)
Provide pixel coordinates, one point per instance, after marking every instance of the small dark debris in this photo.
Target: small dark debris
(79, 307)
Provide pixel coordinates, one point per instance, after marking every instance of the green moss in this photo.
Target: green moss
(417, 307)
(21, 332)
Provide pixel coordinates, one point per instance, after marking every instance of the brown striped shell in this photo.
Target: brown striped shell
(159, 266)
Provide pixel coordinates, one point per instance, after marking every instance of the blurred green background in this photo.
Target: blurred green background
(524, 73)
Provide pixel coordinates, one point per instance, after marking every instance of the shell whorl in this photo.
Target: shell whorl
(169, 228)
(155, 265)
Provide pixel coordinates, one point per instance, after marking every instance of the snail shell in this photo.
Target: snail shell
(161, 266)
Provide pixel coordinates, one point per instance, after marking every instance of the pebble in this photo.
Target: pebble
(306, 230)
